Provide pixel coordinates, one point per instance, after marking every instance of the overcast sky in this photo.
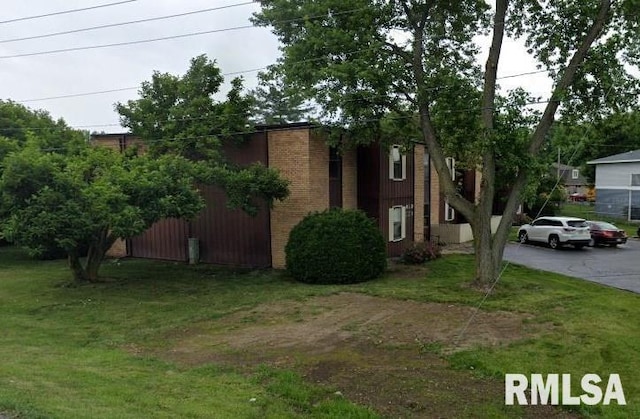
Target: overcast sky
(24, 79)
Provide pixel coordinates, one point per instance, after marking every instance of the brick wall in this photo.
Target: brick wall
(303, 159)
(112, 142)
(418, 193)
(350, 179)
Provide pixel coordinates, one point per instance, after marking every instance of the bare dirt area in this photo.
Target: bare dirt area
(379, 352)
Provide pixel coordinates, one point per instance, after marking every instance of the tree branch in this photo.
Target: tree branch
(568, 76)
(436, 153)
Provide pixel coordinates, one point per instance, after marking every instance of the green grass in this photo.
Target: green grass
(70, 351)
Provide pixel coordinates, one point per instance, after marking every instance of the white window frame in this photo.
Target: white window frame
(575, 173)
(451, 164)
(449, 212)
(403, 223)
(403, 161)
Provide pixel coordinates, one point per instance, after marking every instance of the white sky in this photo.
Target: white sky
(23, 79)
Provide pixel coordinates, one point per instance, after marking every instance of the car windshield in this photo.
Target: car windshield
(606, 226)
(577, 223)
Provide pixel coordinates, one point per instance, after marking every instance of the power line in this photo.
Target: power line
(113, 25)
(203, 117)
(98, 92)
(164, 38)
(120, 44)
(64, 12)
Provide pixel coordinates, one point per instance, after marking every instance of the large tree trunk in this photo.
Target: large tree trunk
(77, 270)
(95, 255)
(486, 265)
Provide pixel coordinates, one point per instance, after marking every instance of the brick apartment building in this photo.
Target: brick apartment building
(397, 188)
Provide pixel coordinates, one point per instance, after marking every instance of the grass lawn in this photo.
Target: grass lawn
(127, 348)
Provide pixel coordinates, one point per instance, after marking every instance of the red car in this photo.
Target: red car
(606, 233)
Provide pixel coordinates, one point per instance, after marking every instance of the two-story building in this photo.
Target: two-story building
(393, 185)
(618, 185)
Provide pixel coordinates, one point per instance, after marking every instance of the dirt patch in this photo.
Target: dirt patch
(323, 324)
(379, 352)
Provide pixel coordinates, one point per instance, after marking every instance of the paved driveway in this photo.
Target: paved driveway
(616, 267)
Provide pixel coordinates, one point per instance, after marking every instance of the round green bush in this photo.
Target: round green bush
(335, 247)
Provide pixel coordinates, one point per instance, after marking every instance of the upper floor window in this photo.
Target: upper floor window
(451, 165)
(635, 179)
(575, 173)
(397, 164)
(335, 164)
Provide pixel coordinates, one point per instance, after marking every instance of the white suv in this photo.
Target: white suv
(556, 231)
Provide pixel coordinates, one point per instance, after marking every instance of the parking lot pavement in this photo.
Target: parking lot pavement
(617, 267)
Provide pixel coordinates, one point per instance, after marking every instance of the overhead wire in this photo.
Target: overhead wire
(64, 12)
(233, 73)
(164, 38)
(131, 22)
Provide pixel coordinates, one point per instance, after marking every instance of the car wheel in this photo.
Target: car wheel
(614, 244)
(522, 237)
(554, 242)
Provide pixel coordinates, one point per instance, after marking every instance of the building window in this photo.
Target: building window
(397, 164)
(397, 223)
(635, 179)
(451, 165)
(575, 173)
(335, 164)
(449, 212)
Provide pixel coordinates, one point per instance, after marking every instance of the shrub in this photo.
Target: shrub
(421, 252)
(521, 219)
(335, 247)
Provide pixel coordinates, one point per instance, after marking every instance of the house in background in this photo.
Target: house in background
(571, 178)
(396, 187)
(618, 185)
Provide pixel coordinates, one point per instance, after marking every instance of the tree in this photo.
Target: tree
(19, 124)
(180, 116)
(276, 103)
(606, 136)
(362, 59)
(90, 199)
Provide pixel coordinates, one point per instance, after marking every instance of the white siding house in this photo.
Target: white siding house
(618, 185)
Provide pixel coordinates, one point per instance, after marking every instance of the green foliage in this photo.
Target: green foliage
(583, 142)
(420, 253)
(179, 116)
(335, 247)
(274, 102)
(92, 198)
(552, 32)
(20, 125)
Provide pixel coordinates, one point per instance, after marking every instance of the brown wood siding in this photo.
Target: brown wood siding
(395, 249)
(369, 180)
(226, 236)
(166, 239)
(335, 179)
(393, 193)
(230, 236)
